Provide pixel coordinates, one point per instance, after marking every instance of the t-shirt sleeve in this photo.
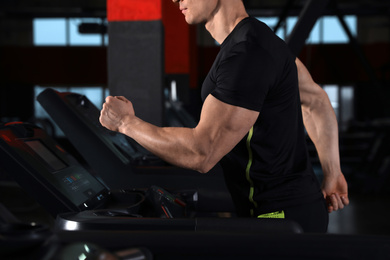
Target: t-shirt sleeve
(245, 76)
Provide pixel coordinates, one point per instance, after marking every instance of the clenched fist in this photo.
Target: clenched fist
(116, 112)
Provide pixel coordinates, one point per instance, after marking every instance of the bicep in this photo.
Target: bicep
(222, 126)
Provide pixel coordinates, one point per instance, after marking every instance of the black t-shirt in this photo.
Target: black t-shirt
(269, 169)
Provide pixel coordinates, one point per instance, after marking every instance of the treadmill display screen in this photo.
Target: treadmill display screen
(50, 158)
(71, 180)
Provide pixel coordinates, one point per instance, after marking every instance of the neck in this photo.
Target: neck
(225, 19)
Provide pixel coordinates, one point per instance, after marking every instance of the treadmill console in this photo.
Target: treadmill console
(46, 171)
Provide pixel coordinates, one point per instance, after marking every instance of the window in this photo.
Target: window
(326, 30)
(329, 30)
(50, 31)
(65, 32)
(76, 38)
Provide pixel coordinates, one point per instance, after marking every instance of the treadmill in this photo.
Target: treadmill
(80, 202)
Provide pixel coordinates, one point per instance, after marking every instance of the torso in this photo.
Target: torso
(256, 70)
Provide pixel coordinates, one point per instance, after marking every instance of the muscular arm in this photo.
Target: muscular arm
(220, 128)
(321, 125)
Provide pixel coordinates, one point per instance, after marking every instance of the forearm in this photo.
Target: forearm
(321, 125)
(175, 145)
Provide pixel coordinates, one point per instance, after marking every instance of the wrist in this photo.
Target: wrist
(331, 170)
(125, 125)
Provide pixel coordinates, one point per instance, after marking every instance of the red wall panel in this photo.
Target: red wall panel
(133, 10)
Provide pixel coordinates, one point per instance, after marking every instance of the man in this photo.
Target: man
(251, 122)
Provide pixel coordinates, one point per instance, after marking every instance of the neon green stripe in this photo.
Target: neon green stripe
(248, 167)
(277, 214)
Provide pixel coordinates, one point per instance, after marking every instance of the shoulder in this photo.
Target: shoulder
(249, 29)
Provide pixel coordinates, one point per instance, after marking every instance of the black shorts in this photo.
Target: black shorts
(312, 217)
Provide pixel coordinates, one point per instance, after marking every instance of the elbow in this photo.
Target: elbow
(203, 164)
(204, 168)
(318, 100)
(204, 156)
